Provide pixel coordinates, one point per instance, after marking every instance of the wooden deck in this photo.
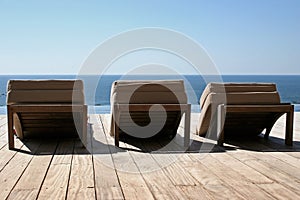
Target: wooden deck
(62, 169)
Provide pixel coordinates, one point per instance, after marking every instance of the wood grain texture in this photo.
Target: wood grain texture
(81, 184)
(13, 170)
(57, 177)
(106, 180)
(31, 181)
(61, 169)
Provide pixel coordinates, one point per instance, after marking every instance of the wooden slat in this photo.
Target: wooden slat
(12, 171)
(143, 107)
(56, 181)
(132, 183)
(158, 182)
(81, 184)
(156, 179)
(145, 113)
(41, 119)
(31, 180)
(243, 169)
(7, 155)
(46, 130)
(3, 135)
(46, 116)
(106, 180)
(3, 121)
(53, 108)
(287, 183)
(239, 183)
(217, 188)
(258, 108)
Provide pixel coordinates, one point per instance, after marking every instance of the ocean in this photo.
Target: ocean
(287, 85)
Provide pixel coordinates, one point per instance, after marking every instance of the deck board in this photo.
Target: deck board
(56, 181)
(106, 180)
(132, 183)
(62, 169)
(81, 184)
(14, 169)
(28, 186)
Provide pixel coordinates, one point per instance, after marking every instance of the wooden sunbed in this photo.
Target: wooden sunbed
(44, 108)
(132, 100)
(242, 109)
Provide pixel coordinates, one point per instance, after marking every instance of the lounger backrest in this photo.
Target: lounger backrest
(45, 91)
(241, 93)
(148, 92)
(234, 93)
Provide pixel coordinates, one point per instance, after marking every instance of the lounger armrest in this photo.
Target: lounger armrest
(259, 108)
(143, 107)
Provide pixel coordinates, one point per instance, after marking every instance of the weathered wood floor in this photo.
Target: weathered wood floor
(62, 169)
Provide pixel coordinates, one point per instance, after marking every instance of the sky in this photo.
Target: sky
(241, 37)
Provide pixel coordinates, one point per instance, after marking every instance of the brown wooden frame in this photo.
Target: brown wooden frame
(281, 109)
(184, 108)
(45, 108)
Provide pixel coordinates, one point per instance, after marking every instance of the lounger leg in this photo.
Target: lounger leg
(220, 124)
(268, 131)
(11, 142)
(187, 124)
(221, 138)
(84, 126)
(289, 127)
(116, 134)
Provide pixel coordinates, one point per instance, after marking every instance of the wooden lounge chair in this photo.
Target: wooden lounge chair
(131, 100)
(43, 108)
(242, 109)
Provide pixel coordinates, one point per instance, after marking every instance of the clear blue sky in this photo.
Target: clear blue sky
(242, 37)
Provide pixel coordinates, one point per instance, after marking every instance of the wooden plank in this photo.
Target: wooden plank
(4, 129)
(157, 181)
(239, 183)
(278, 165)
(131, 181)
(7, 155)
(270, 174)
(237, 166)
(3, 141)
(258, 108)
(3, 135)
(14, 169)
(106, 180)
(268, 169)
(294, 154)
(167, 159)
(56, 181)
(31, 180)
(279, 192)
(52, 108)
(3, 121)
(81, 184)
(195, 192)
(143, 107)
(286, 158)
(216, 187)
(179, 176)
